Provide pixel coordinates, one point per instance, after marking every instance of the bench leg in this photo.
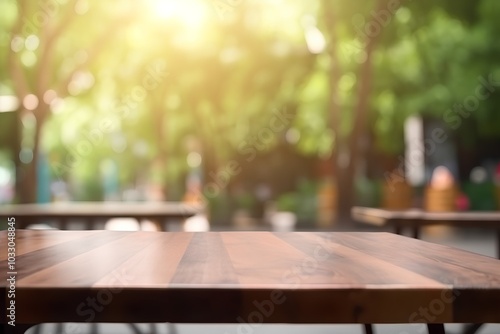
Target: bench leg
(435, 328)
(397, 229)
(416, 232)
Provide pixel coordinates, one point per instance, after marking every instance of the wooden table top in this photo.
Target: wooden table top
(228, 277)
(376, 216)
(100, 210)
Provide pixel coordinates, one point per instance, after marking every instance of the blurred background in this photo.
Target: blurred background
(252, 107)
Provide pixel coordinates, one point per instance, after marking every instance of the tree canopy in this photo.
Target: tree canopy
(146, 83)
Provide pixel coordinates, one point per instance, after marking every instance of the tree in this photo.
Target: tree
(47, 53)
(350, 49)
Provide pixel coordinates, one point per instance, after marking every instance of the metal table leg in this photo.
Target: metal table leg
(17, 329)
(472, 328)
(435, 328)
(135, 329)
(369, 329)
(37, 329)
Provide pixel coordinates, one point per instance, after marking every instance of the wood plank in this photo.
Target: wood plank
(87, 266)
(353, 263)
(448, 265)
(205, 261)
(154, 266)
(32, 262)
(261, 259)
(39, 240)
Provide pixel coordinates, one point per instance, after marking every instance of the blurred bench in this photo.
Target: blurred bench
(416, 218)
(90, 212)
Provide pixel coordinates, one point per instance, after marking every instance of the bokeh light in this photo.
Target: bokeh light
(194, 159)
(30, 102)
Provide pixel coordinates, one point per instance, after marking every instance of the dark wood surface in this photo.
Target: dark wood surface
(26, 214)
(231, 277)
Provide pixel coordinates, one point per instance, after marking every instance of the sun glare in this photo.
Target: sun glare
(191, 13)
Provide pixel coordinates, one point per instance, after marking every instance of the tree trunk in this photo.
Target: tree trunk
(29, 182)
(29, 176)
(346, 174)
(159, 126)
(26, 174)
(20, 170)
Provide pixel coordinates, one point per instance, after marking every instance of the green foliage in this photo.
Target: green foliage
(481, 197)
(223, 79)
(287, 202)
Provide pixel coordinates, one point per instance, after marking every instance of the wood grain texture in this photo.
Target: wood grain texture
(231, 277)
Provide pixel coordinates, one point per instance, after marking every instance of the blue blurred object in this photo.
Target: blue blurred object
(109, 178)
